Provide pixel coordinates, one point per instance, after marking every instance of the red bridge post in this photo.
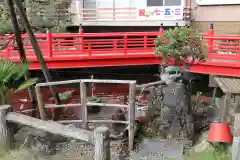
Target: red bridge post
(145, 38)
(81, 38)
(161, 29)
(49, 44)
(125, 44)
(7, 50)
(210, 39)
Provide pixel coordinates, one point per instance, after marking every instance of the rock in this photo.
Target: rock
(202, 144)
(37, 140)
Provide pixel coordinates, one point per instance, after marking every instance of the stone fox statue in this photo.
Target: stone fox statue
(176, 116)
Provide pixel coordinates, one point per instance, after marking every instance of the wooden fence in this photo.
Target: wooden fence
(83, 104)
(99, 137)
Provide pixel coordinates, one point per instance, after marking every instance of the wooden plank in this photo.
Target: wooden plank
(69, 121)
(107, 81)
(107, 121)
(62, 105)
(57, 83)
(107, 105)
(51, 127)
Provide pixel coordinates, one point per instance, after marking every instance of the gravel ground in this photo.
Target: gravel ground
(78, 150)
(64, 149)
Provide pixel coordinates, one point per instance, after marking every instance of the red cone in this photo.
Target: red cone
(220, 132)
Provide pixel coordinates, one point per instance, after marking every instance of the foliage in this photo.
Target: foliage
(42, 14)
(10, 76)
(5, 21)
(48, 13)
(180, 44)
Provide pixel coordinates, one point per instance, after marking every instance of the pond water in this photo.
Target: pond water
(114, 93)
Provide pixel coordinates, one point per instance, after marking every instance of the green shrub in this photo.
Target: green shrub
(180, 44)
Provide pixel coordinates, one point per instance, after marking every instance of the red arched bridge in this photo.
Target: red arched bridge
(78, 50)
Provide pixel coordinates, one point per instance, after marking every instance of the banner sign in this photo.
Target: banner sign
(160, 13)
(217, 2)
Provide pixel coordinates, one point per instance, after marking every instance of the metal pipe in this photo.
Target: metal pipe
(214, 96)
(225, 107)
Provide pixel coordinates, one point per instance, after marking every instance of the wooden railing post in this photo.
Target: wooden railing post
(131, 112)
(49, 44)
(210, 39)
(40, 101)
(83, 97)
(5, 134)
(102, 143)
(81, 38)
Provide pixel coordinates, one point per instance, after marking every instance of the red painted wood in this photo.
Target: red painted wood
(78, 50)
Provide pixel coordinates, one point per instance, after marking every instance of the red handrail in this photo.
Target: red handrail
(120, 44)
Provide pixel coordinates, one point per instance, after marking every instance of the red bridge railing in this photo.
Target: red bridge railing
(223, 50)
(65, 46)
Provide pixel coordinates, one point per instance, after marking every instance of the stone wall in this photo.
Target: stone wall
(220, 27)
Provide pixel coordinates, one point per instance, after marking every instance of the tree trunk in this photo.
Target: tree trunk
(21, 50)
(38, 54)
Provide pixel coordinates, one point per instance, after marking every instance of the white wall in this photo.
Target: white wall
(99, 14)
(75, 7)
(118, 4)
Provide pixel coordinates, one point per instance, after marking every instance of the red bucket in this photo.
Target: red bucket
(220, 132)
